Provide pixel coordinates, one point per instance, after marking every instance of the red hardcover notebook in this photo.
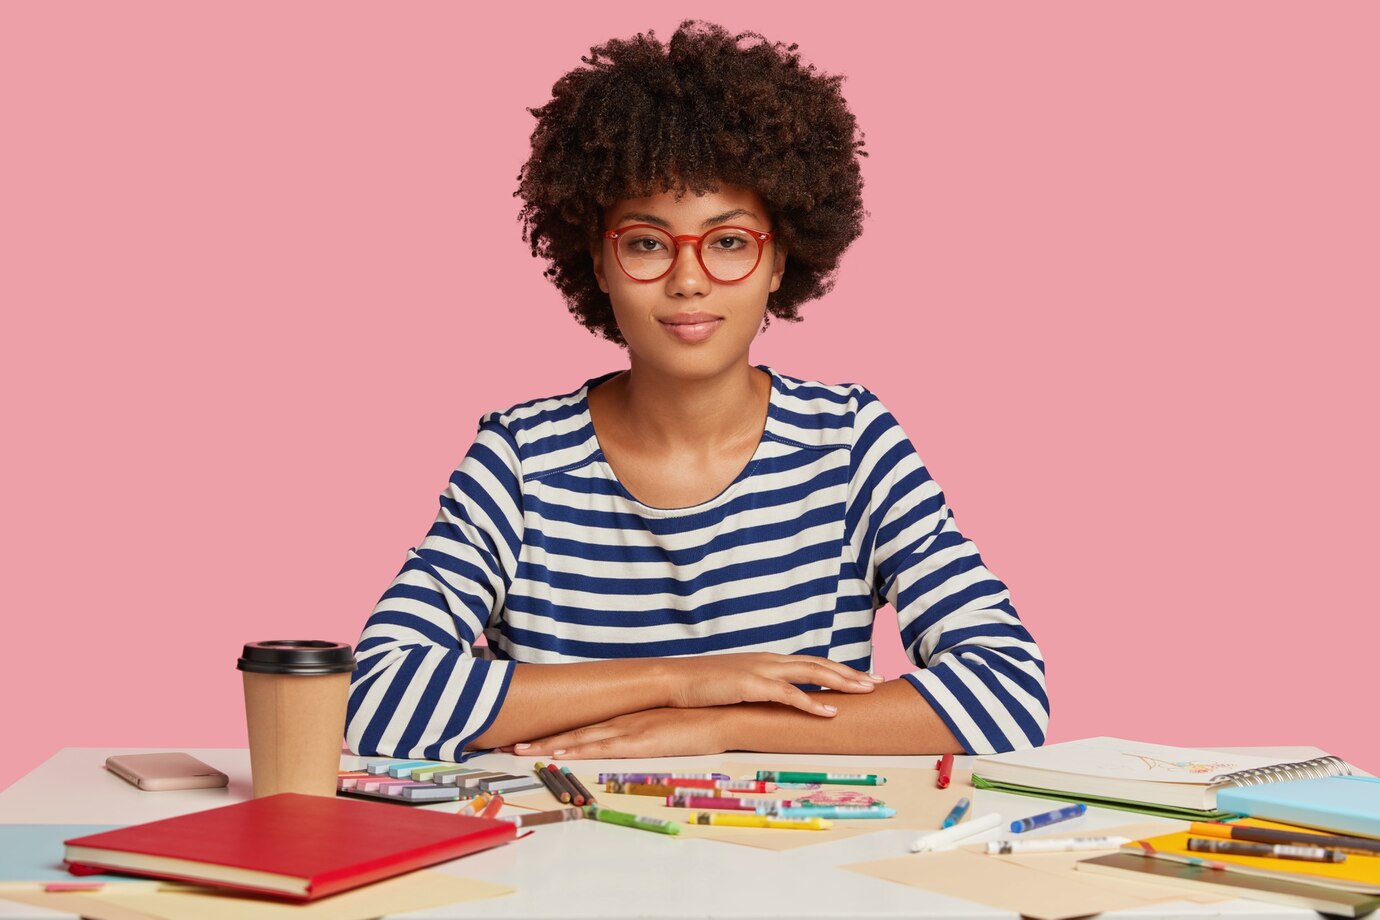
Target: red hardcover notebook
(297, 846)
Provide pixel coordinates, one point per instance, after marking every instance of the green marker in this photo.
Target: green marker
(842, 779)
(609, 816)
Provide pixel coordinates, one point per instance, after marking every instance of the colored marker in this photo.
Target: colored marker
(609, 816)
(846, 779)
(956, 814)
(614, 785)
(550, 783)
(1047, 818)
(945, 766)
(577, 785)
(1358, 845)
(951, 836)
(691, 798)
(1056, 845)
(734, 819)
(845, 812)
(657, 777)
(544, 817)
(564, 782)
(1272, 850)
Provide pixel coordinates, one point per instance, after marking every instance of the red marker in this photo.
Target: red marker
(491, 810)
(945, 766)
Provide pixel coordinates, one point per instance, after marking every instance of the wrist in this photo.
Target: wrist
(664, 675)
(733, 725)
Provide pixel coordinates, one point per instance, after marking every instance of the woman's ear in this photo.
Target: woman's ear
(778, 265)
(596, 252)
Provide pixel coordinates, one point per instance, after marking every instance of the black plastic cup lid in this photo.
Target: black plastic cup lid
(297, 656)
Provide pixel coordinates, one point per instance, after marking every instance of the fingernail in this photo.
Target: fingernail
(829, 709)
(519, 747)
(877, 677)
(558, 753)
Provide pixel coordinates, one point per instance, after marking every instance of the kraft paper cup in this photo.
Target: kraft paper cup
(295, 696)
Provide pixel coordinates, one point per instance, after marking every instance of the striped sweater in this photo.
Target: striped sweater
(541, 550)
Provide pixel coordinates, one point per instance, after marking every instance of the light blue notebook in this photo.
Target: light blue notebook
(1343, 804)
(33, 852)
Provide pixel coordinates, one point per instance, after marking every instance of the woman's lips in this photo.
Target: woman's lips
(692, 331)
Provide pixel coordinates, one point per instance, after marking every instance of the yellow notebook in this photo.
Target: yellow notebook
(1358, 873)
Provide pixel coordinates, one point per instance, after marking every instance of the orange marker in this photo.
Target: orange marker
(945, 766)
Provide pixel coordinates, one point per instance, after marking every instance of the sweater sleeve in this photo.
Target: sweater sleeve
(978, 667)
(420, 690)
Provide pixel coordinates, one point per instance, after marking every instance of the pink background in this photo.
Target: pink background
(262, 273)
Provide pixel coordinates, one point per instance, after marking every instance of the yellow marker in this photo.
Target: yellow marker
(478, 803)
(745, 820)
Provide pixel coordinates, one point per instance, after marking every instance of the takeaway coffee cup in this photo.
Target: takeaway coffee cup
(295, 693)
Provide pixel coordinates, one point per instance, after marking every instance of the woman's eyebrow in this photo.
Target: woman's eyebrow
(708, 222)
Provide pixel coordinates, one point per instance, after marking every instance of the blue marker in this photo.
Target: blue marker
(1049, 817)
(956, 814)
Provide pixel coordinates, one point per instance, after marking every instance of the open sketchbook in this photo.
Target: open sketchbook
(1138, 776)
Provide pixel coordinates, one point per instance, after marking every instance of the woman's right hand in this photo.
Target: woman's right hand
(752, 677)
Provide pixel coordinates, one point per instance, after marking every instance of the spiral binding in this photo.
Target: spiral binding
(1281, 772)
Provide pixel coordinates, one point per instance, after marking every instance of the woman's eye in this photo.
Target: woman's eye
(646, 244)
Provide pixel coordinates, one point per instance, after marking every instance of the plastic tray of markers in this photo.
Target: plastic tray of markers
(413, 782)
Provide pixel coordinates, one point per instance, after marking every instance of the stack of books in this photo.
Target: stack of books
(1304, 833)
(1327, 858)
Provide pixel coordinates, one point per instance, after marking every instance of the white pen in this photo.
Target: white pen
(951, 835)
(1055, 845)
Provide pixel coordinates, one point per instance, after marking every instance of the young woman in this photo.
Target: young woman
(685, 556)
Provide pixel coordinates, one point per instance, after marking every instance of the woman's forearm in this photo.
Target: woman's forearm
(893, 719)
(544, 699)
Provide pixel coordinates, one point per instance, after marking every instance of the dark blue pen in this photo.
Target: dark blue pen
(1049, 817)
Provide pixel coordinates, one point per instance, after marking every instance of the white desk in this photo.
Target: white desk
(583, 869)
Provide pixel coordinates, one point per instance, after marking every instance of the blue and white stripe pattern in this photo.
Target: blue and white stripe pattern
(539, 547)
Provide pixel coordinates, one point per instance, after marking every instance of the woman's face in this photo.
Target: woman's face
(686, 324)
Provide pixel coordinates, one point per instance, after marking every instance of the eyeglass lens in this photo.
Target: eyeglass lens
(729, 254)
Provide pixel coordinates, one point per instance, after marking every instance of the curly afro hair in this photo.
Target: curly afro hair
(645, 118)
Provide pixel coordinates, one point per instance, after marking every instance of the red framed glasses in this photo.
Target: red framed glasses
(727, 254)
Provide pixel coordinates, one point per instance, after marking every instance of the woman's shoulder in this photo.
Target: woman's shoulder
(546, 430)
(811, 412)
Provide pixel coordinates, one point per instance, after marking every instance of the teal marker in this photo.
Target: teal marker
(833, 811)
(956, 814)
(845, 779)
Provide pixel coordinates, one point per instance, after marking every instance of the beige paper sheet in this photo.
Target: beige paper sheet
(414, 891)
(1044, 886)
(1061, 863)
(920, 805)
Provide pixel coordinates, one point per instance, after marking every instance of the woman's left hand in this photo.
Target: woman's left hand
(651, 733)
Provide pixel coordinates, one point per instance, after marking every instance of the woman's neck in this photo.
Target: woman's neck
(673, 413)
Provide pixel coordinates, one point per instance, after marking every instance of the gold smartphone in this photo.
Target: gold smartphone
(164, 772)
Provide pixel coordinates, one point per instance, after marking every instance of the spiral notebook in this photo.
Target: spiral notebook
(1137, 776)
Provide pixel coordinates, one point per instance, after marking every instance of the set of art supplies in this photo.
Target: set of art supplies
(720, 801)
(563, 784)
(422, 782)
